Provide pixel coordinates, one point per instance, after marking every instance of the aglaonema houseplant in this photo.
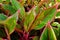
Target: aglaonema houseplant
(29, 20)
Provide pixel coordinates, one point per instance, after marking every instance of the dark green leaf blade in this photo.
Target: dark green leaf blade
(9, 8)
(2, 17)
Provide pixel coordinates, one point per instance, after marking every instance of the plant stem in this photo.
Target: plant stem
(18, 30)
(8, 36)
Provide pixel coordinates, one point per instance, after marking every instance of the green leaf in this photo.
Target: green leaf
(56, 31)
(48, 33)
(10, 8)
(49, 14)
(2, 17)
(10, 22)
(58, 15)
(55, 24)
(36, 21)
(17, 6)
(59, 32)
(37, 9)
(8, 0)
(29, 19)
(0, 1)
(58, 26)
(58, 0)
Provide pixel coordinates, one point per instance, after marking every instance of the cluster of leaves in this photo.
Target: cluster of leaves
(29, 20)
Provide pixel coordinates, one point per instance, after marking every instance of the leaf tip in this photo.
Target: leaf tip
(18, 11)
(48, 25)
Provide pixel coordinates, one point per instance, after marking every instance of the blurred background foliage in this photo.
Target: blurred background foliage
(29, 19)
